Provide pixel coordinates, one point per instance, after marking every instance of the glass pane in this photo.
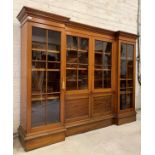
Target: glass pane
(71, 79)
(123, 84)
(83, 44)
(72, 57)
(83, 79)
(103, 60)
(38, 113)
(129, 83)
(107, 47)
(130, 72)
(72, 42)
(54, 65)
(54, 41)
(99, 59)
(123, 51)
(98, 79)
(107, 60)
(107, 79)
(129, 100)
(123, 101)
(38, 38)
(98, 46)
(123, 68)
(53, 81)
(130, 49)
(53, 110)
(38, 82)
(39, 55)
(83, 57)
(53, 56)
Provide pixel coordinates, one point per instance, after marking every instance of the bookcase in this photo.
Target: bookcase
(74, 78)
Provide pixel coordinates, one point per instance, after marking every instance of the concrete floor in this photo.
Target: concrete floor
(112, 140)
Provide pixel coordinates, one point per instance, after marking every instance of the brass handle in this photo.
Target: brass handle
(63, 84)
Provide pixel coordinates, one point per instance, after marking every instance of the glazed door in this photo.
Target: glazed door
(126, 67)
(45, 77)
(77, 100)
(103, 71)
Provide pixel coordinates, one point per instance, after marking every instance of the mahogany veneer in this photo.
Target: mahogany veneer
(74, 78)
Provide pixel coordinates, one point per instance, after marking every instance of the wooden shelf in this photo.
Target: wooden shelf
(53, 51)
(100, 69)
(41, 69)
(53, 61)
(77, 50)
(128, 79)
(38, 60)
(39, 50)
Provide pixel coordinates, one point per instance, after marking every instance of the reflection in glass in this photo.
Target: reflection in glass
(123, 69)
(83, 57)
(72, 57)
(72, 42)
(122, 101)
(123, 51)
(38, 113)
(38, 38)
(107, 60)
(71, 79)
(98, 46)
(107, 79)
(53, 57)
(53, 110)
(83, 79)
(130, 50)
(53, 83)
(83, 43)
(54, 40)
(38, 81)
(128, 100)
(123, 84)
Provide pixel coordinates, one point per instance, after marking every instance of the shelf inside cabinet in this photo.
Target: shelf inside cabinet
(39, 50)
(53, 51)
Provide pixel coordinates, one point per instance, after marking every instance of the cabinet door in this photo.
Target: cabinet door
(102, 64)
(46, 45)
(126, 76)
(76, 63)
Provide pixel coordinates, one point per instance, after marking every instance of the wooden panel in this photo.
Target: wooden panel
(76, 107)
(88, 126)
(38, 140)
(102, 104)
(23, 107)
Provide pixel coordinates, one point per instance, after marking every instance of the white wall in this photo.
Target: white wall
(108, 14)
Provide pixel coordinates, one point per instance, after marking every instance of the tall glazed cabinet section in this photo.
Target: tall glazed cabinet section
(74, 78)
(126, 44)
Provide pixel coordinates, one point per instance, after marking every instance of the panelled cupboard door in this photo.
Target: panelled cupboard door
(102, 79)
(126, 75)
(45, 76)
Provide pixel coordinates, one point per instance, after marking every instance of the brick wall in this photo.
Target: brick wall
(108, 14)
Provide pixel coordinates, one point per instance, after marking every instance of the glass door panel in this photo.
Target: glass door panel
(103, 62)
(76, 63)
(45, 76)
(126, 76)
(38, 38)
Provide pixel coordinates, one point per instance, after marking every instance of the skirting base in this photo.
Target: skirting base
(39, 140)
